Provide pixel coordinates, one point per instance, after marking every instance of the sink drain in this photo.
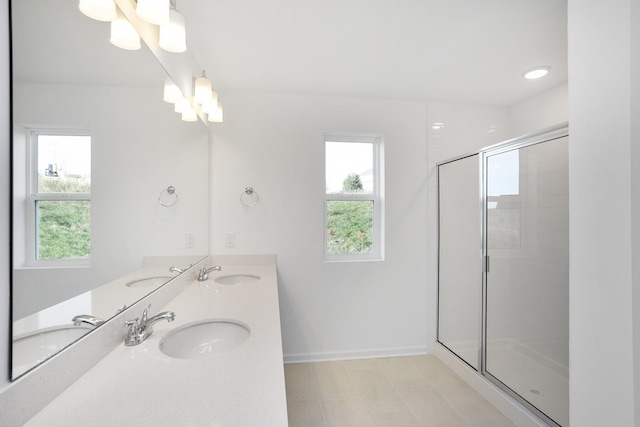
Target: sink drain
(536, 392)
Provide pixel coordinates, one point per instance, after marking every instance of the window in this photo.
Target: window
(353, 202)
(59, 197)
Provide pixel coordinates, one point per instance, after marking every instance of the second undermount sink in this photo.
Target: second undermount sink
(32, 348)
(236, 279)
(204, 339)
(149, 282)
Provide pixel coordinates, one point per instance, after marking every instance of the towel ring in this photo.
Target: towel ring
(249, 197)
(168, 197)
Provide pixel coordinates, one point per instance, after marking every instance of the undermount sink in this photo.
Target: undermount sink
(236, 279)
(34, 347)
(205, 338)
(148, 282)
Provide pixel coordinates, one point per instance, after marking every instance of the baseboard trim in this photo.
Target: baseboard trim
(354, 354)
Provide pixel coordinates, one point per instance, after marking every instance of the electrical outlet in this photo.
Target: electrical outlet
(230, 240)
(190, 240)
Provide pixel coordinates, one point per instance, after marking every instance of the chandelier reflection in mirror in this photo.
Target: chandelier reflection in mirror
(162, 13)
(171, 38)
(204, 101)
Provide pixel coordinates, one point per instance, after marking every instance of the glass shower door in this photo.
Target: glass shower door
(460, 258)
(527, 285)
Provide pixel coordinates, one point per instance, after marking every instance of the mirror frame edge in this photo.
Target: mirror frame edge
(6, 234)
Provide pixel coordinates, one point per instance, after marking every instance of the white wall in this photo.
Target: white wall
(274, 143)
(139, 147)
(467, 128)
(539, 112)
(604, 165)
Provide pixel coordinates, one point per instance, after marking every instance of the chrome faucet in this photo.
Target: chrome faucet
(204, 272)
(176, 270)
(88, 319)
(141, 329)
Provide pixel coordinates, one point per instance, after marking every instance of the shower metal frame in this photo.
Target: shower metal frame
(545, 135)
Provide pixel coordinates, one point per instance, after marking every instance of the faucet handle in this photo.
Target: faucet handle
(130, 323)
(132, 331)
(145, 315)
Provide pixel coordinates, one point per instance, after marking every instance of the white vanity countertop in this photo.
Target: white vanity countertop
(140, 385)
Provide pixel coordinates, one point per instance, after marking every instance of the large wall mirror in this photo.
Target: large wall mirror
(94, 152)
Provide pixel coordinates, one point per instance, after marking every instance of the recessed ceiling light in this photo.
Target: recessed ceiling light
(536, 73)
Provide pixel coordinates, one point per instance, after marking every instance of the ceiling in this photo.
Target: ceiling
(465, 51)
(53, 42)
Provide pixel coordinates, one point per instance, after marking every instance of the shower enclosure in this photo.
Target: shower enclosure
(503, 276)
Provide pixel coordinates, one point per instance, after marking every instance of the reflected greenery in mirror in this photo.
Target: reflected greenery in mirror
(82, 233)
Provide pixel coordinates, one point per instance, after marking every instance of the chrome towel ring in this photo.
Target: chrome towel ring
(249, 197)
(168, 197)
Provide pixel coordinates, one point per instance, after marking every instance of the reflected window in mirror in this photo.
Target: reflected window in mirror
(58, 206)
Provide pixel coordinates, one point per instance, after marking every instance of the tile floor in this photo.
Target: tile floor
(410, 391)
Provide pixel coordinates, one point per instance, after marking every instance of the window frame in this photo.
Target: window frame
(376, 197)
(33, 197)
